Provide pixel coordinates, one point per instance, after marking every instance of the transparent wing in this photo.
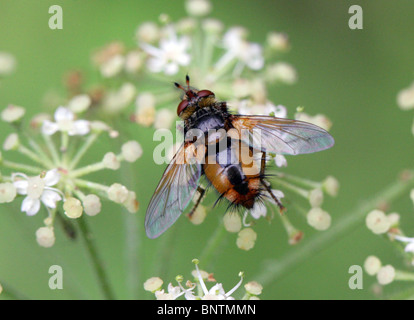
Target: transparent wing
(282, 136)
(172, 195)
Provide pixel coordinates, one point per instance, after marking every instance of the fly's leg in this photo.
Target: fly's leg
(201, 193)
(282, 209)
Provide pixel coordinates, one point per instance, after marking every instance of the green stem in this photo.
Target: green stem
(96, 260)
(10, 293)
(88, 169)
(21, 166)
(91, 139)
(52, 148)
(302, 181)
(404, 275)
(288, 186)
(90, 185)
(276, 268)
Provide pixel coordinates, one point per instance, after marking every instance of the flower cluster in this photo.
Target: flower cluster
(51, 176)
(217, 58)
(136, 83)
(388, 226)
(197, 288)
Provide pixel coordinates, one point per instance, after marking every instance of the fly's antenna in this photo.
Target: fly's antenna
(187, 80)
(179, 86)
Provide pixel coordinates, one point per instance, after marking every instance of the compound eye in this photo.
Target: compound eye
(205, 93)
(183, 104)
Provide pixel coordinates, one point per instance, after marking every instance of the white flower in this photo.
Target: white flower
(131, 151)
(92, 205)
(377, 222)
(113, 66)
(253, 288)
(319, 219)
(153, 284)
(73, 208)
(232, 222)
(7, 192)
(278, 41)
(386, 275)
(37, 189)
(148, 32)
(410, 243)
(173, 293)
(117, 193)
(315, 198)
(246, 239)
(7, 63)
(164, 118)
(267, 108)
(216, 292)
(198, 7)
(198, 215)
(281, 71)
(64, 122)
(45, 237)
(12, 113)
(331, 186)
(117, 100)
(320, 120)
(372, 265)
(280, 161)
(80, 103)
(258, 211)
(171, 54)
(249, 54)
(405, 98)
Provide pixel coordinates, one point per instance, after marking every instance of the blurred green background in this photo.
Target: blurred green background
(352, 76)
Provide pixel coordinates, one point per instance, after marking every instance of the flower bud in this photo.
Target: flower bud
(253, 288)
(278, 41)
(377, 222)
(316, 198)
(131, 151)
(372, 265)
(73, 208)
(92, 205)
(386, 275)
(12, 113)
(148, 32)
(80, 103)
(153, 284)
(198, 8)
(319, 219)
(117, 193)
(7, 63)
(7, 192)
(110, 161)
(113, 66)
(331, 186)
(131, 203)
(12, 142)
(45, 237)
(164, 119)
(145, 109)
(198, 215)
(232, 222)
(405, 98)
(246, 239)
(281, 72)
